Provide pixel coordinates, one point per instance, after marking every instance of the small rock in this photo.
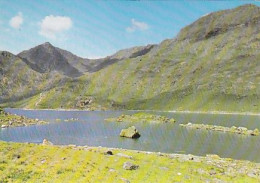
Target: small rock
(212, 156)
(124, 155)
(72, 146)
(242, 129)
(130, 166)
(43, 161)
(255, 132)
(4, 126)
(46, 142)
(108, 153)
(201, 171)
(212, 172)
(164, 168)
(252, 174)
(125, 180)
(160, 154)
(17, 156)
(112, 170)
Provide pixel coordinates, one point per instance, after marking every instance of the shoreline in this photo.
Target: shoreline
(158, 153)
(137, 110)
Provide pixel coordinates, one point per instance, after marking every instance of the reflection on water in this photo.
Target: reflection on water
(91, 129)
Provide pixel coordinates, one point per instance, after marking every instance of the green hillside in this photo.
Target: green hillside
(212, 65)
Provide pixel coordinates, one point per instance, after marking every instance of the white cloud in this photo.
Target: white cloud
(136, 25)
(51, 25)
(16, 21)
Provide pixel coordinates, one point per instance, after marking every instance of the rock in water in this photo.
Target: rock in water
(130, 132)
(4, 126)
(46, 142)
(130, 166)
(255, 132)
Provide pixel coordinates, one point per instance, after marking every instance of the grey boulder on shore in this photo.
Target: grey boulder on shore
(130, 166)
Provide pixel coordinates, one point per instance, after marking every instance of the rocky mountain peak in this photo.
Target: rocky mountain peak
(46, 58)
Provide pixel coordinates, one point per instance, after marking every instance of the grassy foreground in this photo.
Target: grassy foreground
(44, 163)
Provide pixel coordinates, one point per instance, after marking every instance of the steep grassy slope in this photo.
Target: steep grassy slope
(43, 163)
(213, 64)
(19, 81)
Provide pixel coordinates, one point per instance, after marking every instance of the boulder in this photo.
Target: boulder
(4, 126)
(108, 152)
(130, 132)
(254, 132)
(130, 166)
(46, 142)
(242, 129)
(125, 180)
(124, 155)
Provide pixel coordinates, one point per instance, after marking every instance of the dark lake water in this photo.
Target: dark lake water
(92, 130)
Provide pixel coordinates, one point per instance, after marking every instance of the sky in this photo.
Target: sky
(94, 29)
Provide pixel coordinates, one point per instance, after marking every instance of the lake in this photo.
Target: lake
(92, 130)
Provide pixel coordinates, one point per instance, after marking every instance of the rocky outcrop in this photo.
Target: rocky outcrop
(46, 142)
(10, 120)
(220, 22)
(233, 129)
(130, 132)
(83, 102)
(141, 117)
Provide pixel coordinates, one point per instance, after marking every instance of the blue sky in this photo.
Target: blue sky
(95, 29)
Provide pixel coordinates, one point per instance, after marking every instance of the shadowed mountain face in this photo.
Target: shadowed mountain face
(19, 81)
(46, 58)
(45, 66)
(212, 64)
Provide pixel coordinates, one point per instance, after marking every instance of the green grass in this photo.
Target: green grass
(39, 163)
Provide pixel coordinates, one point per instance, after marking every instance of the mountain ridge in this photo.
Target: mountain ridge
(197, 70)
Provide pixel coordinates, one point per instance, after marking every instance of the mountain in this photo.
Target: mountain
(19, 81)
(46, 58)
(211, 65)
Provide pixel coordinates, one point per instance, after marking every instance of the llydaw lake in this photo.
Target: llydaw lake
(92, 130)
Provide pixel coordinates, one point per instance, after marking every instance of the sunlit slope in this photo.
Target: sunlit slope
(213, 64)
